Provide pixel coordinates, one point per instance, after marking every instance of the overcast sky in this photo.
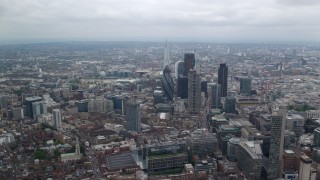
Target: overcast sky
(149, 20)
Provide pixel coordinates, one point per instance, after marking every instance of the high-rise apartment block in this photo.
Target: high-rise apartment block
(57, 118)
(133, 117)
(194, 92)
(276, 144)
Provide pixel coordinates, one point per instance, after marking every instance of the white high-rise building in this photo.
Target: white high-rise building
(306, 171)
(57, 118)
(100, 105)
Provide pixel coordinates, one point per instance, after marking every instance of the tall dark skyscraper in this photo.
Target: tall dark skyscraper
(182, 87)
(189, 62)
(223, 79)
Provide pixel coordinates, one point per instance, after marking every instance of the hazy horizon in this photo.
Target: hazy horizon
(256, 21)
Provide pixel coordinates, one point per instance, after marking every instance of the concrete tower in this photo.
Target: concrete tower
(56, 118)
(276, 144)
(194, 92)
(133, 117)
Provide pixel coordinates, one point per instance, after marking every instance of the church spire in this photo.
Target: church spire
(78, 154)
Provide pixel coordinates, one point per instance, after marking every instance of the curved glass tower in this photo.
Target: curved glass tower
(167, 83)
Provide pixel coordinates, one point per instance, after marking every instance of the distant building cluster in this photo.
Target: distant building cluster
(129, 110)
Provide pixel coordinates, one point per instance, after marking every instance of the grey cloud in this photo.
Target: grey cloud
(138, 18)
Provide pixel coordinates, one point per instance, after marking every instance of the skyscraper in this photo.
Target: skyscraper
(38, 108)
(194, 92)
(182, 87)
(230, 105)
(189, 62)
(179, 69)
(245, 86)
(316, 135)
(223, 79)
(167, 83)
(276, 144)
(29, 101)
(215, 95)
(56, 118)
(133, 117)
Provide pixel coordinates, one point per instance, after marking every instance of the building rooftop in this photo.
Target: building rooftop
(252, 148)
(120, 161)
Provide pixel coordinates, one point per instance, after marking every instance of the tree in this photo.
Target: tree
(56, 153)
(40, 154)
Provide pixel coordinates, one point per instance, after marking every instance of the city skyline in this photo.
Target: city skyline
(211, 21)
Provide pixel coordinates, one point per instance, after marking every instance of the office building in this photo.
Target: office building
(291, 160)
(168, 155)
(245, 86)
(209, 166)
(18, 113)
(225, 133)
(215, 95)
(82, 105)
(57, 118)
(29, 108)
(249, 156)
(189, 62)
(203, 143)
(167, 83)
(100, 105)
(295, 122)
(182, 87)
(194, 92)
(223, 79)
(316, 137)
(38, 108)
(204, 87)
(179, 69)
(276, 143)
(158, 97)
(133, 117)
(3, 103)
(230, 105)
(306, 171)
(232, 148)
